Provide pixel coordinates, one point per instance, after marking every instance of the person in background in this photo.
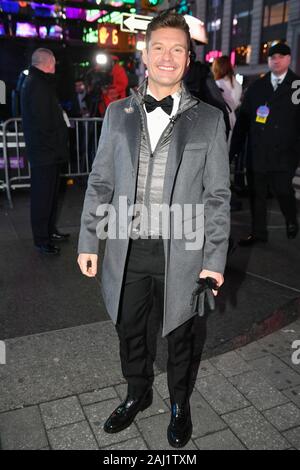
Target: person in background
(201, 84)
(47, 146)
(120, 79)
(81, 105)
(269, 121)
(231, 89)
(119, 83)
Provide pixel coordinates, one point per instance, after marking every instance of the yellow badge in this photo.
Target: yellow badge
(262, 114)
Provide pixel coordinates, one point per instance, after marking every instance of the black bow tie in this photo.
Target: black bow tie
(165, 104)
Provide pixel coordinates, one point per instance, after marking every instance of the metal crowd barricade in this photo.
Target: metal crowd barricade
(15, 168)
(84, 137)
(13, 163)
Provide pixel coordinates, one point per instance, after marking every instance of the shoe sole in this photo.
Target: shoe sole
(126, 425)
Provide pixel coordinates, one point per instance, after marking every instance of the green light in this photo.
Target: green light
(114, 17)
(154, 3)
(90, 35)
(183, 7)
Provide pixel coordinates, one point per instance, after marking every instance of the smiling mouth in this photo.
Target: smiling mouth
(168, 69)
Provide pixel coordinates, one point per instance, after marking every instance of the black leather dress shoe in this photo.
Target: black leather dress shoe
(180, 427)
(59, 237)
(292, 230)
(48, 249)
(123, 416)
(251, 240)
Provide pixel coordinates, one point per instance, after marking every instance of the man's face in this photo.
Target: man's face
(166, 57)
(279, 64)
(79, 87)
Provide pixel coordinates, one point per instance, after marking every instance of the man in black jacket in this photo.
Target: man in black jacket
(46, 138)
(269, 120)
(200, 82)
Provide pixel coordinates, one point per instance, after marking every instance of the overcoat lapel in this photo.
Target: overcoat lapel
(133, 133)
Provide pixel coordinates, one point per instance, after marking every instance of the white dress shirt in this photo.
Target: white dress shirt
(277, 79)
(158, 120)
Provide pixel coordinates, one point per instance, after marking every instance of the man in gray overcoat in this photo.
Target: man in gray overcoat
(160, 186)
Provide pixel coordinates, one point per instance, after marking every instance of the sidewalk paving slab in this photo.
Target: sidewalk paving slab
(255, 432)
(280, 374)
(222, 396)
(221, 440)
(77, 436)
(205, 419)
(22, 430)
(284, 417)
(293, 394)
(230, 364)
(90, 398)
(261, 393)
(293, 436)
(61, 412)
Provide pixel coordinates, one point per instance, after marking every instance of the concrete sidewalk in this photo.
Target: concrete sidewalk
(58, 388)
(62, 378)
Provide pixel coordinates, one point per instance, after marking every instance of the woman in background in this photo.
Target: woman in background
(229, 86)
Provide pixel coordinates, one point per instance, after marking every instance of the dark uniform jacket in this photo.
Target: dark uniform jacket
(275, 145)
(45, 130)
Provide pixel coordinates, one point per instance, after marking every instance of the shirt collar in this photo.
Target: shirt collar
(175, 95)
(275, 78)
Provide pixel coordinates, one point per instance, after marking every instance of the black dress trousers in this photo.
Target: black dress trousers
(45, 181)
(281, 186)
(138, 324)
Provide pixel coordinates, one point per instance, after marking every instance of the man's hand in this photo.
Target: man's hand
(217, 276)
(88, 264)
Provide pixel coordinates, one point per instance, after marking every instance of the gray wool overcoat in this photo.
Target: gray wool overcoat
(197, 172)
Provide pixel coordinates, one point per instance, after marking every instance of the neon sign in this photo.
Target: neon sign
(108, 36)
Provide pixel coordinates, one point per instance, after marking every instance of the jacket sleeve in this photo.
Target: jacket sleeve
(241, 128)
(216, 199)
(100, 190)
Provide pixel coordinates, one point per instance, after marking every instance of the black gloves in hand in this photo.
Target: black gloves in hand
(205, 286)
